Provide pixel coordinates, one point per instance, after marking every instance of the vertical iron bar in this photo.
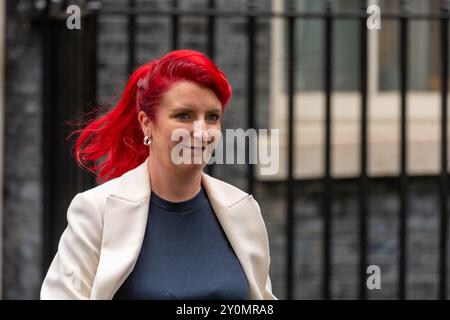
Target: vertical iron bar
(403, 179)
(363, 180)
(46, 10)
(444, 154)
(175, 26)
(211, 30)
(212, 54)
(93, 8)
(49, 52)
(326, 200)
(131, 36)
(290, 221)
(251, 67)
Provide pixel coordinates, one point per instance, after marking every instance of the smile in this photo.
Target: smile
(195, 148)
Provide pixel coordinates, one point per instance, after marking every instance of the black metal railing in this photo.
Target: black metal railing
(69, 84)
(329, 17)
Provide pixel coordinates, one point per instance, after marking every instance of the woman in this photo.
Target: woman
(156, 228)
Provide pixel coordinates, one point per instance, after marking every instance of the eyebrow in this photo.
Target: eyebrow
(189, 108)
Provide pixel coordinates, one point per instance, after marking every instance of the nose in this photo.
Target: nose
(200, 133)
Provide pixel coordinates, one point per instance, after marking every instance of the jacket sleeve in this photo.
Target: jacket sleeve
(268, 294)
(74, 266)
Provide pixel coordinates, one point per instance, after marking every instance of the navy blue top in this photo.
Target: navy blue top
(185, 255)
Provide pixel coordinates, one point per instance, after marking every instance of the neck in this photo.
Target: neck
(172, 183)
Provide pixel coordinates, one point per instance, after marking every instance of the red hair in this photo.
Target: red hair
(113, 144)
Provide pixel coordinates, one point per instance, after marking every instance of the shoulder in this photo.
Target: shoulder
(224, 186)
(230, 195)
(242, 205)
(101, 191)
(224, 192)
(95, 197)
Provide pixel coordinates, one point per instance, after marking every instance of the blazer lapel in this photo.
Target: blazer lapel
(125, 221)
(230, 206)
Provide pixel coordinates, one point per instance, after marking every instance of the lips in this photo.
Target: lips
(196, 148)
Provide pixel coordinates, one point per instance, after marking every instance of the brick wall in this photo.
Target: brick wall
(22, 181)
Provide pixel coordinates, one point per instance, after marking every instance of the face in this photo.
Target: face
(189, 108)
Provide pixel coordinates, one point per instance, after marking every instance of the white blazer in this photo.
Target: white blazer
(106, 226)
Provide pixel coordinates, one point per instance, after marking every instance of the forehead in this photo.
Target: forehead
(186, 93)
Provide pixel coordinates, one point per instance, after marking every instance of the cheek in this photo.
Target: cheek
(167, 137)
(162, 137)
(217, 128)
(164, 134)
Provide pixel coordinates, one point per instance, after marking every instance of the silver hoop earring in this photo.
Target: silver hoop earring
(147, 141)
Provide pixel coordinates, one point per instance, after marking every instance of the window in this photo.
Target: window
(423, 98)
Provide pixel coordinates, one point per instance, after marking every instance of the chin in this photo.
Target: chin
(191, 167)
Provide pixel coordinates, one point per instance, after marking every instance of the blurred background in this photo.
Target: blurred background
(362, 114)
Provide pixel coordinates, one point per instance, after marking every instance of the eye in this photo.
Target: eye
(213, 117)
(183, 116)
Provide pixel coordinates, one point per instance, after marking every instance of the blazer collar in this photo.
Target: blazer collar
(125, 221)
(135, 185)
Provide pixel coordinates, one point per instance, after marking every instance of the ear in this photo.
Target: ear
(146, 123)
